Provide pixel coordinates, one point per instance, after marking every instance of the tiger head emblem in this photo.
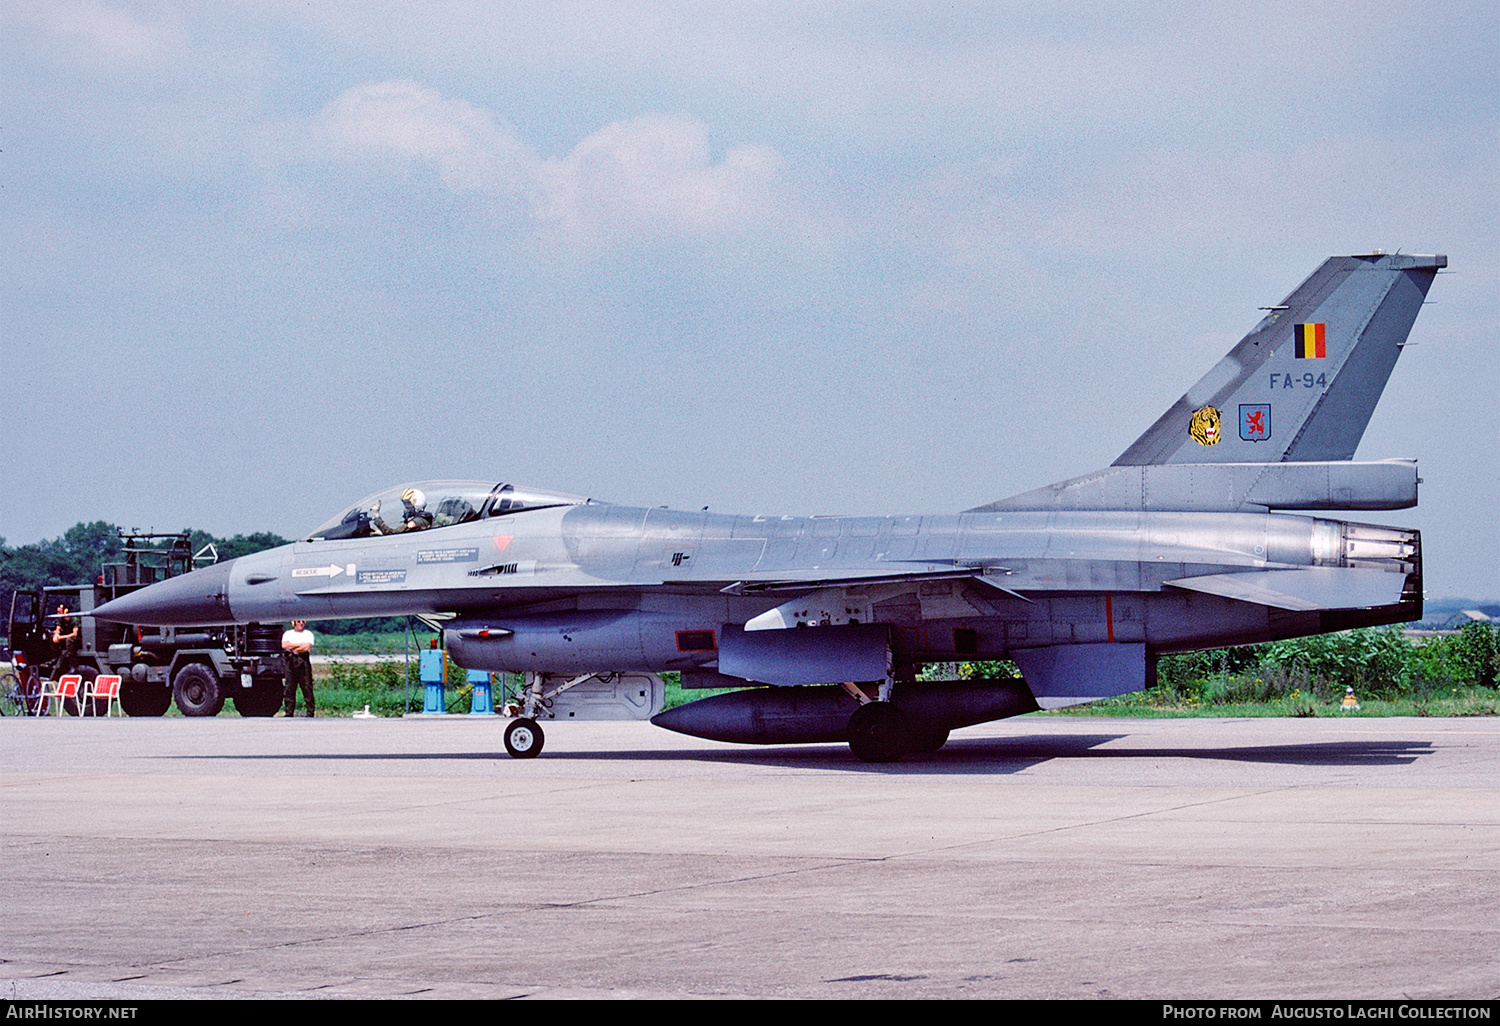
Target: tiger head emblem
(1204, 427)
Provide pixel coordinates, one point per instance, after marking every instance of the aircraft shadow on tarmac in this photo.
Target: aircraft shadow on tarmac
(989, 755)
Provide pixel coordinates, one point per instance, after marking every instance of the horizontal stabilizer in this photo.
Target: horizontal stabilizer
(1317, 587)
(1063, 675)
(1227, 488)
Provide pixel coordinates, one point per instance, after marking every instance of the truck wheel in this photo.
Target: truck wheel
(12, 697)
(144, 698)
(86, 705)
(196, 688)
(261, 699)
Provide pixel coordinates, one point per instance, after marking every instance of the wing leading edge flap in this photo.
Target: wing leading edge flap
(1317, 587)
(858, 577)
(1063, 675)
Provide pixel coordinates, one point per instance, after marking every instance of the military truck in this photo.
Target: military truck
(197, 667)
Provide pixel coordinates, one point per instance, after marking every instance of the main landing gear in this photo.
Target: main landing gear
(875, 732)
(880, 732)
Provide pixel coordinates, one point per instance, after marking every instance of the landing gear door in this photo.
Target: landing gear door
(593, 696)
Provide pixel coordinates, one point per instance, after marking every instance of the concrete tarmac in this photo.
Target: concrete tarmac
(1031, 858)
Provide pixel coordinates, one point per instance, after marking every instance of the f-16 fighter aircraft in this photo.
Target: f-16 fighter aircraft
(1194, 538)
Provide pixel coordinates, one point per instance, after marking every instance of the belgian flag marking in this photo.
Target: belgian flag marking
(1308, 342)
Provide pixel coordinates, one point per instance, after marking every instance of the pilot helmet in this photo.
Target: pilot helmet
(415, 497)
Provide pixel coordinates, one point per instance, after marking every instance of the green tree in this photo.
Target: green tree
(79, 555)
(1370, 660)
(1467, 657)
(75, 558)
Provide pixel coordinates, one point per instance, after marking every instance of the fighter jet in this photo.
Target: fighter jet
(1198, 536)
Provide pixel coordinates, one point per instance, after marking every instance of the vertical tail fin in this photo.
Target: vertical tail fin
(1302, 385)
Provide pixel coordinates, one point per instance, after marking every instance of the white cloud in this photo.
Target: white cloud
(101, 32)
(650, 176)
(656, 175)
(470, 148)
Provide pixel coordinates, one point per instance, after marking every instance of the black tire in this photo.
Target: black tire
(144, 698)
(925, 742)
(524, 739)
(85, 706)
(12, 699)
(196, 689)
(262, 699)
(876, 731)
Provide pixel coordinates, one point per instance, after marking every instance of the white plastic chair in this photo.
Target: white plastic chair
(106, 686)
(62, 689)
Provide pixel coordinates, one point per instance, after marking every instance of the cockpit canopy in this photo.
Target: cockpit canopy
(428, 505)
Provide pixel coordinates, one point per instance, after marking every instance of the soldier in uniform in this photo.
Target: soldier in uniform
(297, 643)
(65, 637)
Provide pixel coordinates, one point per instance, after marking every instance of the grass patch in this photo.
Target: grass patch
(344, 688)
(388, 688)
(1170, 703)
(391, 643)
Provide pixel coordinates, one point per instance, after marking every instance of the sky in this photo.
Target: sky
(263, 258)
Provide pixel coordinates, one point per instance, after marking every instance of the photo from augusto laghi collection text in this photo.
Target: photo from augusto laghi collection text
(1262, 1010)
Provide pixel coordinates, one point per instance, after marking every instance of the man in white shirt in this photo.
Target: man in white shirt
(297, 643)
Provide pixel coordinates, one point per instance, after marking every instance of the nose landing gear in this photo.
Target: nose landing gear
(524, 738)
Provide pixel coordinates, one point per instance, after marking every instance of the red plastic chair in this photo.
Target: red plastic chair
(105, 687)
(64, 689)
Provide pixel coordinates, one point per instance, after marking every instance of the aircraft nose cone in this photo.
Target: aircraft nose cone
(197, 599)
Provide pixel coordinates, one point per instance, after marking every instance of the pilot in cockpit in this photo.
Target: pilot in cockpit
(414, 514)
